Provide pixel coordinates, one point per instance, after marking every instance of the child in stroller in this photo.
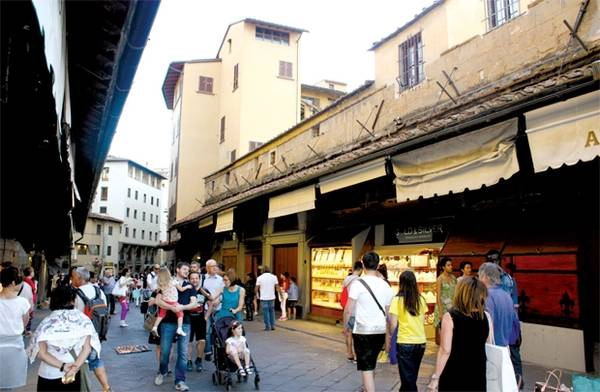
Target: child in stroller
(236, 349)
(229, 350)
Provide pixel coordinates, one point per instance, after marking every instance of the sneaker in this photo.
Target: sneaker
(180, 332)
(282, 318)
(272, 328)
(208, 356)
(241, 372)
(181, 386)
(154, 333)
(123, 324)
(158, 380)
(255, 314)
(198, 364)
(248, 370)
(190, 366)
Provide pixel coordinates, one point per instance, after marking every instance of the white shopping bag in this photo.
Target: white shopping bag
(500, 374)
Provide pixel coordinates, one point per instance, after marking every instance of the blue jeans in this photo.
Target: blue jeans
(94, 362)
(409, 360)
(268, 308)
(208, 345)
(167, 333)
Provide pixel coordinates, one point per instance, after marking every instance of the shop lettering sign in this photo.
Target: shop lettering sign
(592, 139)
(413, 234)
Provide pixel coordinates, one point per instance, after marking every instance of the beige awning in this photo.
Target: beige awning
(224, 221)
(467, 161)
(205, 222)
(352, 176)
(565, 133)
(302, 199)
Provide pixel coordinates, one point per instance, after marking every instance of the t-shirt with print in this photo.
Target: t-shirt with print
(90, 291)
(267, 282)
(370, 320)
(11, 315)
(184, 298)
(411, 329)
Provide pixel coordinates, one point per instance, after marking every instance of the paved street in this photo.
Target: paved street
(298, 355)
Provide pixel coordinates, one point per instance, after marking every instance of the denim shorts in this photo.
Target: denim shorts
(94, 361)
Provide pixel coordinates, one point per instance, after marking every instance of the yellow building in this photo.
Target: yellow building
(318, 97)
(100, 242)
(225, 107)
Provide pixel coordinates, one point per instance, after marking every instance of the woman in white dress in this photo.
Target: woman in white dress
(14, 315)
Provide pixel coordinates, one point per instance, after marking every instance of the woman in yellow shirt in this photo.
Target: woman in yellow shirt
(407, 311)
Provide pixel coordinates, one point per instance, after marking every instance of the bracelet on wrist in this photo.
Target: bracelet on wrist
(62, 367)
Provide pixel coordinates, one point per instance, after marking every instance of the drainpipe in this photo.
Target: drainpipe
(298, 77)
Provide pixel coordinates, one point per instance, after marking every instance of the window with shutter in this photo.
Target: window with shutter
(411, 62)
(205, 85)
(222, 133)
(236, 71)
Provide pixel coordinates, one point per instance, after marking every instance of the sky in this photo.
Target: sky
(335, 47)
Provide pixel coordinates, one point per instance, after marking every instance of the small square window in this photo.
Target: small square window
(103, 210)
(205, 85)
(286, 69)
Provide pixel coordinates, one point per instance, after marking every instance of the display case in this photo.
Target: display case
(329, 268)
(422, 259)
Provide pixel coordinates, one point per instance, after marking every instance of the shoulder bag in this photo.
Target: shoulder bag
(372, 295)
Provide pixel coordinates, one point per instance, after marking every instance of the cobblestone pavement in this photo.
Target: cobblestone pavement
(298, 356)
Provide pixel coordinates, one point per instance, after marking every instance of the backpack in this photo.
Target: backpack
(97, 311)
(344, 297)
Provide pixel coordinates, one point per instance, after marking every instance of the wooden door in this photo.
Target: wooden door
(285, 259)
(253, 261)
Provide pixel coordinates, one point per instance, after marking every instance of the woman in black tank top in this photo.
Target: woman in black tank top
(465, 329)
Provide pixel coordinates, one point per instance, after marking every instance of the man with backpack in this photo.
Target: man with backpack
(90, 300)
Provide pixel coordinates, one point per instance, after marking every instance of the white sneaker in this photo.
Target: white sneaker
(180, 332)
(181, 386)
(123, 324)
(158, 380)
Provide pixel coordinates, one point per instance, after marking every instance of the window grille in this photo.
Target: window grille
(501, 11)
(411, 62)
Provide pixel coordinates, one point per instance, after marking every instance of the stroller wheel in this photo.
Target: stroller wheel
(214, 379)
(256, 381)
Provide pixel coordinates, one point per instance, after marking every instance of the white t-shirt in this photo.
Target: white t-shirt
(11, 315)
(152, 281)
(267, 283)
(90, 291)
(370, 319)
(27, 293)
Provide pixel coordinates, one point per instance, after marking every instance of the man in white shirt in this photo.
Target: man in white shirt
(213, 283)
(266, 287)
(80, 279)
(369, 300)
(152, 279)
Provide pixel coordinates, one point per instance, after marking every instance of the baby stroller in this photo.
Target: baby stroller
(225, 367)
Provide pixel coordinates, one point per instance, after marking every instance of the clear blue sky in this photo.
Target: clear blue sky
(336, 47)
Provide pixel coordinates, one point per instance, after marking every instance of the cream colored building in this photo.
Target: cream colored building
(100, 242)
(225, 107)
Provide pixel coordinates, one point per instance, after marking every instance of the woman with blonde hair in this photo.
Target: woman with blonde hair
(466, 327)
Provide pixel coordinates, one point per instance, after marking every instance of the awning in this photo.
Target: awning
(205, 222)
(352, 176)
(224, 221)
(467, 161)
(565, 133)
(302, 199)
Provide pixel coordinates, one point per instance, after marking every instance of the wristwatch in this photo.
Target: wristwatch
(62, 367)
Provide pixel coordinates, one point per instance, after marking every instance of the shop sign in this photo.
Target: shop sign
(412, 234)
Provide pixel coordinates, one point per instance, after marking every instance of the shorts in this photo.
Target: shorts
(94, 362)
(351, 321)
(367, 348)
(292, 303)
(197, 327)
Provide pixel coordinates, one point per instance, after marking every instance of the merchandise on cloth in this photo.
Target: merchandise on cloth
(63, 330)
(131, 349)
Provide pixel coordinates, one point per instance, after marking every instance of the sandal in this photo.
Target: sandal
(241, 372)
